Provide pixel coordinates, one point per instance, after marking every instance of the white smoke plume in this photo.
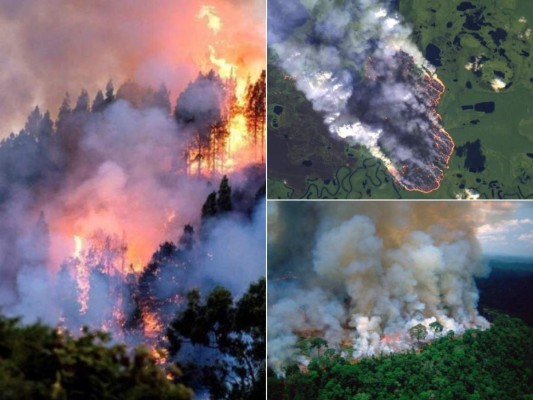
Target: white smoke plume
(357, 65)
(362, 274)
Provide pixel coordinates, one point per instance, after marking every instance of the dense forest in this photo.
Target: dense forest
(496, 363)
(39, 362)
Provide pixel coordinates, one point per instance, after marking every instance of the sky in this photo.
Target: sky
(510, 232)
(51, 47)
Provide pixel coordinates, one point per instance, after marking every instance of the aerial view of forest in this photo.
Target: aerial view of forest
(400, 300)
(478, 55)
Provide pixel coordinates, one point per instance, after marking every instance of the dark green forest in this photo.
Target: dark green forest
(493, 364)
(40, 362)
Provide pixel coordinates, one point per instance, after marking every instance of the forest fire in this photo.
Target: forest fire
(117, 204)
(414, 126)
(400, 275)
(82, 275)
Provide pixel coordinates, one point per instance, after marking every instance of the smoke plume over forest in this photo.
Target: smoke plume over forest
(146, 177)
(356, 64)
(362, 275)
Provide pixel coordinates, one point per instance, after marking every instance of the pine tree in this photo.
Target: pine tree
(98, 102)
(224, 196)
(33, 124)
(46, 129)
(162, 99)
(64, 110)
(256, 111)
(82, 105)
(187, 238)
(109, 92)
(209, 209)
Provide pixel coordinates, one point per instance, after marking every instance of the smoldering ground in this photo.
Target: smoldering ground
(362, 274)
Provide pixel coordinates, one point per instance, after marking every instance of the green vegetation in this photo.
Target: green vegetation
(38, 362)
(493, 364)
(224, 341)
(494, 151)
(234, 332)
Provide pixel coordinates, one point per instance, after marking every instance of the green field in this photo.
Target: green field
(494, 151)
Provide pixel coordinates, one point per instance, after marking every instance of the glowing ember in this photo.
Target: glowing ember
(78, 245)
(152, 324)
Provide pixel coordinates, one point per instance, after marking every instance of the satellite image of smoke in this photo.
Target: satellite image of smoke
(369, 75)
(373, 87)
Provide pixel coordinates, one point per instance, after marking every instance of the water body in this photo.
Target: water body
(465, 5)
(474, 21)
(498, 36)
(433, 55)
(278, 110)
(475, 160)
(487, 107)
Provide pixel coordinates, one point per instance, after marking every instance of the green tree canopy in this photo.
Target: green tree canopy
(38, 362)
(234, 331)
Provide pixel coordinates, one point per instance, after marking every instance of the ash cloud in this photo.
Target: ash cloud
(356, 63)
(361, 275)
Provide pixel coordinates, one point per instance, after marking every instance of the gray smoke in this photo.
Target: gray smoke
(125, 185)
(357, 65)
(361, 275)
(49, 48)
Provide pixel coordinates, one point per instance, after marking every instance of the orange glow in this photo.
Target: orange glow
(152, 325)
(160, 357)
(213, 20)
(82, 275)
(78, 245)
(449, 155)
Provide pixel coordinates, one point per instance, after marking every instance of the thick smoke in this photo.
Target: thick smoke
(85, 206)
(49, 48)
(357, 65)
(361, 275)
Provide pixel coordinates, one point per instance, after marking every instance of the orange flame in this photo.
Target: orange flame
(82, 275)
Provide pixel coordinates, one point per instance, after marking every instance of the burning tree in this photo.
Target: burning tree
(212, 110)
(200, 107)
(256, 111)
